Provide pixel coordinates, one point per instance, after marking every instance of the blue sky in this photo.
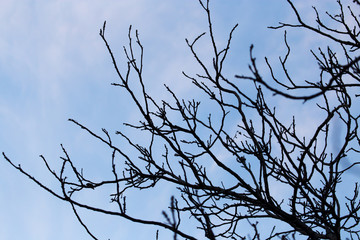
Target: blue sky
(54, 66)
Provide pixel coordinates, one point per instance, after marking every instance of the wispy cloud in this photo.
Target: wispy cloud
(53, 65)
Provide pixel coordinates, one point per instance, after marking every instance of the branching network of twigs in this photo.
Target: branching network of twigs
(264, 153)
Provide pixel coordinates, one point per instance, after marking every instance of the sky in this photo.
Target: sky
(54, 66)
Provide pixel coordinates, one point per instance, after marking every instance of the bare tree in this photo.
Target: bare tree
(265, 152)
